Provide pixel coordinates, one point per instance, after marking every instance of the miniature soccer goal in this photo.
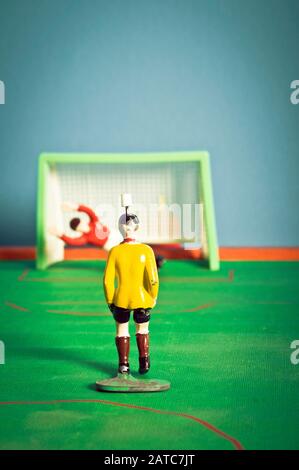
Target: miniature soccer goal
(172, 197)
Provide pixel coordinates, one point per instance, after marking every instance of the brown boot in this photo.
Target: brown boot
(143, 348)
(123, 349)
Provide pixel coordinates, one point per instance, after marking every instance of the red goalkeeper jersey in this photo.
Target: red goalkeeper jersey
(98, 234)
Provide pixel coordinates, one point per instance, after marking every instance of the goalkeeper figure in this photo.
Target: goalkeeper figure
(93, 232)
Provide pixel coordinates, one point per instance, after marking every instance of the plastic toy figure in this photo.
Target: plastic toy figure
(92, 232)
(132, 265)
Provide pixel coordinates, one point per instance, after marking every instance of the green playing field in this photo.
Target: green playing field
(221, 338)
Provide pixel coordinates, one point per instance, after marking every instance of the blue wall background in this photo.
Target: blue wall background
(156, 75)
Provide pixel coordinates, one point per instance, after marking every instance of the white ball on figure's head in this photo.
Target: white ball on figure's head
(126, 200)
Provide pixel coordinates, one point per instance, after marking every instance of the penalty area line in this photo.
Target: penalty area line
(235, 443)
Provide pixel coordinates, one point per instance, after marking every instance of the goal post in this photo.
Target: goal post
(168, 189)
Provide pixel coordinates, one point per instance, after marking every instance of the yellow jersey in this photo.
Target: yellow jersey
(133, 267)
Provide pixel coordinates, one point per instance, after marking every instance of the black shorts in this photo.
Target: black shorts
(122, 315)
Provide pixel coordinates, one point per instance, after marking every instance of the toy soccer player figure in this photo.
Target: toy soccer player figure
(92, 232)
(133, 265)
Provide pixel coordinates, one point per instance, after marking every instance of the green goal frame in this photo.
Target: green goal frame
(46, 160)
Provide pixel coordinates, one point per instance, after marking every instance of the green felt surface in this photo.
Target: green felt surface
(221, 338)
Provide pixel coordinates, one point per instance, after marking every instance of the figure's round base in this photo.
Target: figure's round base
(127, 383)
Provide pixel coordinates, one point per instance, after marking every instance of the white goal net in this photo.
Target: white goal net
(172, 197)
(165, 197)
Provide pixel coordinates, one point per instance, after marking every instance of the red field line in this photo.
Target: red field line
(174, 279)
(16, 307)
(236, 444)
(91, 302)
(80, 314)
(72, 302)
(25, 278)
(107, 314)
(199, 280)
(158, 311)
(199, 307)
(23, 275)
